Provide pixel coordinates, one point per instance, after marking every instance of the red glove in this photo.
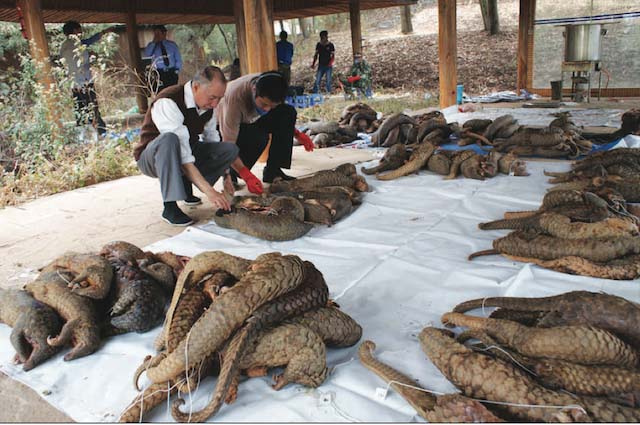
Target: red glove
(253, 184)
(353, 79)
(304, 139)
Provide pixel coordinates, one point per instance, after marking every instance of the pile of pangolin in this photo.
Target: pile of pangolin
(566, 358)
(78, 299)
(229, 314)
(561, 139)
(413, 142)
(616, 171)
(356, 118)
(585, 225)
(291, 207)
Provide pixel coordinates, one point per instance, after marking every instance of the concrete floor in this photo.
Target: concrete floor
(84, 220)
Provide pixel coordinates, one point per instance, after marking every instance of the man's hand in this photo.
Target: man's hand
(218, 200)
(313, 65)
(253, 184)
(304, 139)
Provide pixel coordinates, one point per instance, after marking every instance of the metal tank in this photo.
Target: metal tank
(582, 42)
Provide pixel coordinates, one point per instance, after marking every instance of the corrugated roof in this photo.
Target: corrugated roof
(185, 12)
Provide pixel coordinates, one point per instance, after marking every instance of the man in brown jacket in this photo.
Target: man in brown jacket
(252, 109)
(179, 144)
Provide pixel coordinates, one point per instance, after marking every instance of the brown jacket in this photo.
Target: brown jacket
(237, 107)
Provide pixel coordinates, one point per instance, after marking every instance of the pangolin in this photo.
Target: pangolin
(446, 408)
(265, 281)
(605, 311)
(32, 322)
(577, 343)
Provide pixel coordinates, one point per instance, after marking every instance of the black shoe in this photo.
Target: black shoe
(269, 174)
(192, 201)
(174, 215)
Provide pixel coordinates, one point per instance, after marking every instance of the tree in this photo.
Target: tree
(304, 27)
(490, 18)
(405, 20)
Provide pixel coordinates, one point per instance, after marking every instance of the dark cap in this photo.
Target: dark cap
(160, 27)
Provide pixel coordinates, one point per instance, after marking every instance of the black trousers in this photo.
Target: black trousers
(253, 138)
(86, 108)
(168, 77)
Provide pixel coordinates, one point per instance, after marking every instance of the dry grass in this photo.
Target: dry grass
(83, 166)
(332, 108)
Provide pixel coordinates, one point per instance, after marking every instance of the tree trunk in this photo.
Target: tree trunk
(485, 14)
(226, 42)
(304, 27)
(492, 13)
(405, 20)
(281, 25)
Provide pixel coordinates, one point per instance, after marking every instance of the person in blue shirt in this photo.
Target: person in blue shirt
(165, 57)
(74, 53)
(285, 56)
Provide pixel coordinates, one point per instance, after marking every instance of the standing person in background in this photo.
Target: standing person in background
(165, 57)
(170, 148)
(76, 57)
(285, 56)
(325, 55)
(252, 112)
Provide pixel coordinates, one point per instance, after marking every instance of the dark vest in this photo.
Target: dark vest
(195, 123)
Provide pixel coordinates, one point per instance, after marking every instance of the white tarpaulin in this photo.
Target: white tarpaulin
(395, 265)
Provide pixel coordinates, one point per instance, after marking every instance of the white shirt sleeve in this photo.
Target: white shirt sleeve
(210, 134)
(168, 119)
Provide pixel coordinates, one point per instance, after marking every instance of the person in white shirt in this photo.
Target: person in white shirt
(76, 57)
(170, 148)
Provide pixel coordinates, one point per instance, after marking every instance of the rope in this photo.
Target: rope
(502, 403)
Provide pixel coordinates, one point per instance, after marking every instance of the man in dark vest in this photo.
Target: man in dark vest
(252, 110)
(170, 148)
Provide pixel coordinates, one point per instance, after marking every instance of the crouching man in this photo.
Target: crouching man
(171, 149)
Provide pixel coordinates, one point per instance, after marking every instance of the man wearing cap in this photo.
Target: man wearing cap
(252, 110)
(165, 56)
(170, 148)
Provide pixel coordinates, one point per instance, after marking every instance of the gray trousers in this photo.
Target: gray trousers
(161, 160)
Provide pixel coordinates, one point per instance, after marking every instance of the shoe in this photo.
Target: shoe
(192, 201)
(268, 175)
(174, 215)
